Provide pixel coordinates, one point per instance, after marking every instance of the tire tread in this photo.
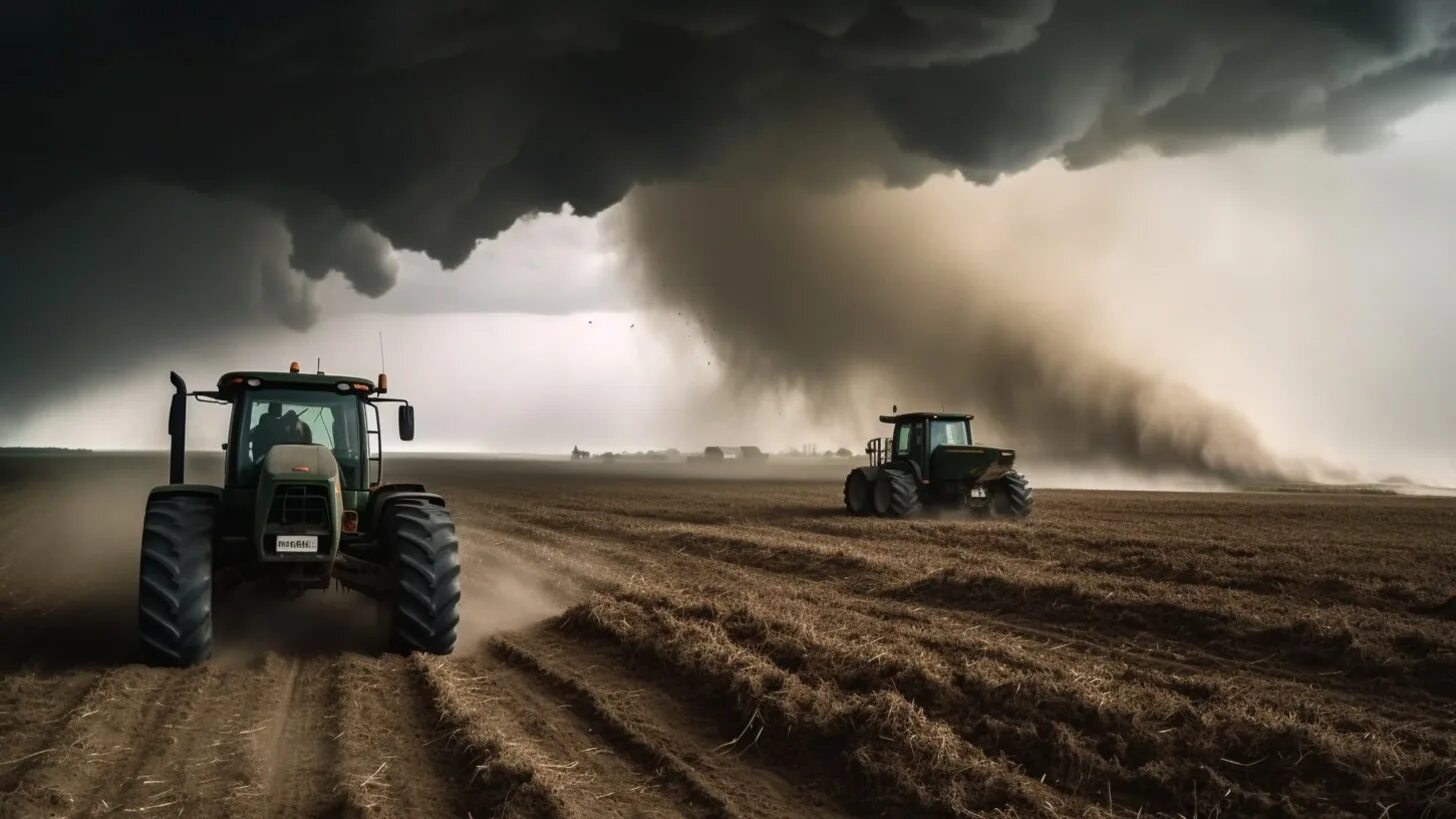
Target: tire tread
(174, 587)
(904, 494)
(425, 609)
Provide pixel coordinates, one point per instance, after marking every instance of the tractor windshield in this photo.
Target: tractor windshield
(271, 417)
(949, 433)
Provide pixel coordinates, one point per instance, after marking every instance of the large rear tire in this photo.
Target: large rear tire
(424, 610)
(857, 494)
(896, 495)
(174, 596)
(1009, 496)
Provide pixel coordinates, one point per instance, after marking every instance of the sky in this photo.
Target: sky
(1155, 236)
(1312, 290)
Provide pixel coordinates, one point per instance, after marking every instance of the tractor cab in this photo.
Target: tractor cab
(937, 447)
(331, 411)
(917, 435)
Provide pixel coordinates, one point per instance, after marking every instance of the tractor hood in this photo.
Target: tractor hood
(970, 464)
(300, 461)
(299, 496)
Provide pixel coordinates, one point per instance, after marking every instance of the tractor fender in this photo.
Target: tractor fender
(871, 473)
(906, 465)
(390, 493)
(186, 489)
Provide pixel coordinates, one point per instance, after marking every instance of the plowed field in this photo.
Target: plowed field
(648, 643)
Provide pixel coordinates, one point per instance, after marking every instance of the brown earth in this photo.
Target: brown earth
(642, 642)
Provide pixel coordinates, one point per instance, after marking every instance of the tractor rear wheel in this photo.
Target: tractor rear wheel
(896, 495)
(424, 610)
(174, 596)
(1009, 496)
(857, 492)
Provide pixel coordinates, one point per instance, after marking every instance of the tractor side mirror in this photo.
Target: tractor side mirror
(406, 422)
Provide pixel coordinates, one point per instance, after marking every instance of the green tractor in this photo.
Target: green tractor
(302, 504)
(930, 462)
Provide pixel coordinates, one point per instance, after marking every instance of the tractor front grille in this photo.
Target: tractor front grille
(300, 506)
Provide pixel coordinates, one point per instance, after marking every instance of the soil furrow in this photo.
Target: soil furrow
(1169, 629)
(672, 725)
(695, 794)
(395, 755)
(295, 750)
(101, 744)
(193, 751)
(896, 759)
(35, 713)
(548, 740)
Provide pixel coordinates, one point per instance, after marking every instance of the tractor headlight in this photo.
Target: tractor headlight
(255, 382)
(342, 386)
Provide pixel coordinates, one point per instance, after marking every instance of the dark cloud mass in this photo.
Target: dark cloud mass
(361, 128)
(439, 123)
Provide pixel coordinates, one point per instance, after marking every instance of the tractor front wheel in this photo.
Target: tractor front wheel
(174, 596)
(424, 610)
(857, 494)
(1009, 496)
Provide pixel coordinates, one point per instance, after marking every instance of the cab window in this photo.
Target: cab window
(273, 417)
(902, 440)
(949, 433)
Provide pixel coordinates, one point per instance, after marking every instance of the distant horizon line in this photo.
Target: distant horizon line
(555, 454)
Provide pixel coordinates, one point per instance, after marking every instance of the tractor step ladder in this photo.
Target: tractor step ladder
(375, 436)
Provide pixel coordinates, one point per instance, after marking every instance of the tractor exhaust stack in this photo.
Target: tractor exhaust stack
(177, 428)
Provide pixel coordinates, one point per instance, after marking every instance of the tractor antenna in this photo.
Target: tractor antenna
(318, 365)
(381, 351)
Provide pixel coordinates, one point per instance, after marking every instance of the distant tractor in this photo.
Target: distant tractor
(930, 462)
(301, 504)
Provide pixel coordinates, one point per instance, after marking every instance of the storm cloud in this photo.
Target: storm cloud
(437, 124)
(345, 132)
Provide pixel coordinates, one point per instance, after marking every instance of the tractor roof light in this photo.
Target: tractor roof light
(293, 366)
(383, 384)
(342, 386)
(255, 382)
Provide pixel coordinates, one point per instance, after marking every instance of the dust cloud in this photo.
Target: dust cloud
(70, 534)
(504, 600)
(70, 530)
(840, 291)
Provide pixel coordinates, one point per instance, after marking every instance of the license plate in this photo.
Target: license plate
(978, 491)
(298, 543)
